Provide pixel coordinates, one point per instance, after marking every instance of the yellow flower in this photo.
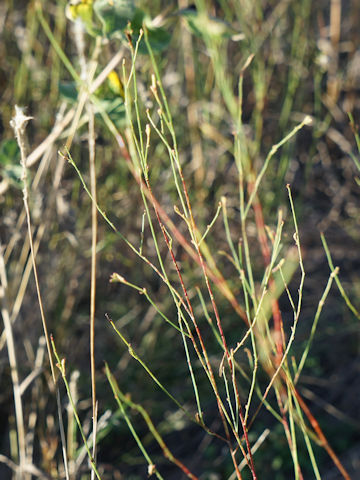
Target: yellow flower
(80, 9)
(115, 84)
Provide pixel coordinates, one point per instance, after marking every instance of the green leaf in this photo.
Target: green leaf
(9, 152)
(68, 91)
(158, 37)
(114, 15)
(107, 101)
(201, 24)
(13, 174)
(115, 108)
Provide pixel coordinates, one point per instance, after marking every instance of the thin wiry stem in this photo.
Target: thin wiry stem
(19, 123)
(19, 413)
(61, 366)
(121, 398)
(94, 228)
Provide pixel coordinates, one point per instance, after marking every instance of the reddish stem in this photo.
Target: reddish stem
(321, 436)
(217, 278)
(266, 253)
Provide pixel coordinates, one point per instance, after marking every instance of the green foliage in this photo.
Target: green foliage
(171, 179)
(158, 37)
(9, 162)
(114, 16)
(203, 25)
(9, 152)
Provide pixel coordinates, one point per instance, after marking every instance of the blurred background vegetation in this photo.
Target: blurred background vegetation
(305, 60)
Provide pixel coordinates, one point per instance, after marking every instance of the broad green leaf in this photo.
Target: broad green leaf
(9, 152)
(158, 37)
(202, 24)
(107, 100)
(114, 107)
(114, 15)
(13, 174)
(68, 91)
